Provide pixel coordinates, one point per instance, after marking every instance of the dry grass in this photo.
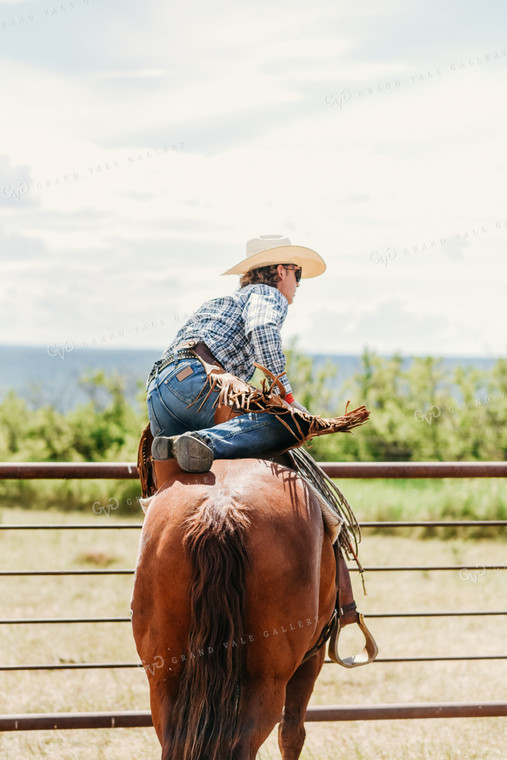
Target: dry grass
(458, 739)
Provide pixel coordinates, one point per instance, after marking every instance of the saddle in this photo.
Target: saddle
(339, 522)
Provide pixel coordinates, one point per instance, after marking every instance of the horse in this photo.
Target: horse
(235, 581)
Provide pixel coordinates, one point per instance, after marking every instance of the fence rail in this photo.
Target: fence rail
(129, 526)
(118, 526)
(366, 569)
(139, 666)
(376, 615)
(126, 470)
(142, 719)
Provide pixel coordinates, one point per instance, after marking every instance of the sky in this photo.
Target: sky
(143, 143)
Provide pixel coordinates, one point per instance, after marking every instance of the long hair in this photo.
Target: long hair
(205, 717)
(266, 275)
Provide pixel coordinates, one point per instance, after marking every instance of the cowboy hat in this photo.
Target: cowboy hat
(277, 249)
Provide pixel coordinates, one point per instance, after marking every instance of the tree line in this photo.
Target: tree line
(420, 412)
(425, 411)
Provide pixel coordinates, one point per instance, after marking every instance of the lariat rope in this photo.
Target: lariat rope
(350, 533)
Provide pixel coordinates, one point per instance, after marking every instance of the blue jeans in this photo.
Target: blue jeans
(172, 411)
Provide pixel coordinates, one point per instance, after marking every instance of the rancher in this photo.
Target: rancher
(232, 332)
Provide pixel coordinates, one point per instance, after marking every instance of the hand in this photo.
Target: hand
(300, 407)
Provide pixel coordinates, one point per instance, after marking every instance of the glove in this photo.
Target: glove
(300, 407)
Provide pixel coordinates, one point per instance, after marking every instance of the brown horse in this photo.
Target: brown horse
(235, 581)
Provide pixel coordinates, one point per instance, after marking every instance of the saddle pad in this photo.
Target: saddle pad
(333, 523)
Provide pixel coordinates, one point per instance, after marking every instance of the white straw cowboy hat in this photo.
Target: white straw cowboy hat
(277, 249)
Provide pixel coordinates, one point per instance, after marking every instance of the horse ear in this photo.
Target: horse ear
(145, 463)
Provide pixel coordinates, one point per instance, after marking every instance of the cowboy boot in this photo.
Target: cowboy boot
(190, 451)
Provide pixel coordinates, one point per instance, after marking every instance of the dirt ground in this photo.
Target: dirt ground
(379, 683)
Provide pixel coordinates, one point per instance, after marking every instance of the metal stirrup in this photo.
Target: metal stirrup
(368, 654)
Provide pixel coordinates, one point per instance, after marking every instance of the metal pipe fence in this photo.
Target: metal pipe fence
(142, 718)
(128, 470)
(123, 471)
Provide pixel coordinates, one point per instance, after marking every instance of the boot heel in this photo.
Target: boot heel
(162, 447)
(192, 453)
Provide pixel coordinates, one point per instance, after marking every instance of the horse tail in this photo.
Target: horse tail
(205, 724)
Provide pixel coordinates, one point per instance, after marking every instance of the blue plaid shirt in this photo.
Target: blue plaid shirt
(240, 329)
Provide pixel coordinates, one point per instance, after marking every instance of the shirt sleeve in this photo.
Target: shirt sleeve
(264, 315)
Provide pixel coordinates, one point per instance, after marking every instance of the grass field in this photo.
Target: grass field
(457, 739)
(390, 499)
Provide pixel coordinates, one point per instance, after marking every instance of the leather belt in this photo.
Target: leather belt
(188, 350)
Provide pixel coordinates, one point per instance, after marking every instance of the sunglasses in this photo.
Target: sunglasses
(296, 269)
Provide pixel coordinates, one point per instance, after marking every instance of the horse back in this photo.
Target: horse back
(234, 575)
(289, 558)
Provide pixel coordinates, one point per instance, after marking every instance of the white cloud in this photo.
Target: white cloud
(135, 231)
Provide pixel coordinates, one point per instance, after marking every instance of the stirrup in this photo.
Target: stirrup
(368, 654)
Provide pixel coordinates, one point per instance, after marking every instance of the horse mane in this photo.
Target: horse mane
(205, 725)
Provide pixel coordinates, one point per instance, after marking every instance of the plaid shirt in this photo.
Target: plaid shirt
(240, 329)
